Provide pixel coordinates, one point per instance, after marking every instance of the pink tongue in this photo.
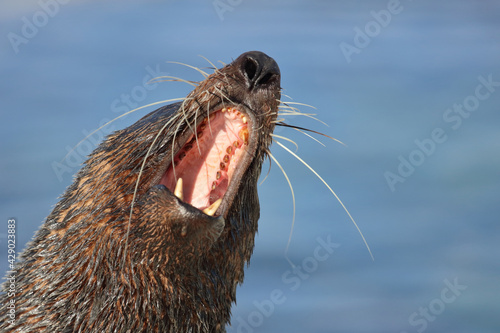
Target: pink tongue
(207, 167)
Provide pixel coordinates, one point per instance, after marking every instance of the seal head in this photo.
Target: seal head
(154, 233)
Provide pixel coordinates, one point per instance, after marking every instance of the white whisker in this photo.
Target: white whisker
(312, 137)
(287, 139)
(278, 120)
(172, 78)
(138, 181)
(205, 74)
(301, 104)
(120, 116)
(211, 63)
(333, 192)
(269, 170)
(293, 201)
(285, 110)
(293, 112)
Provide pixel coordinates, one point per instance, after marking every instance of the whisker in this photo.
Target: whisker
(309, 130)
(209, 122)
(284, 106)
(286, 110)
(186, 117)
(211, 63)
(120, 116)
(222, 95)
(301, 104)
(293, 201)
(287, 139)
(136, 188)
(310, 136)
(284, 114)
(196, 126)
(175, 135)
(168, 78)
(205, 74)
(328, 186)
(291, 111)
(172, 156)
(269, 170)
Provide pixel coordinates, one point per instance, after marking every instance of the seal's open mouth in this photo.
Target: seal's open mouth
(204, 168)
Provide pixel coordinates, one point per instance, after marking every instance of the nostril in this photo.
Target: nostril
(250, 68)
(268, 78)
(259, 69)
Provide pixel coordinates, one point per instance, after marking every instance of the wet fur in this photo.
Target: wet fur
(98, 266)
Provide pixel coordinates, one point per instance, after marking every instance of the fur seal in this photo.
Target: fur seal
(154, 233)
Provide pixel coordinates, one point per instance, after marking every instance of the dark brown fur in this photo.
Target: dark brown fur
(90, 269)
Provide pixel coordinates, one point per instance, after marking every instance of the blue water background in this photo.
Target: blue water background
(438, 227)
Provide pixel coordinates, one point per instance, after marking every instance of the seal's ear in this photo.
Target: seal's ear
(164, 223)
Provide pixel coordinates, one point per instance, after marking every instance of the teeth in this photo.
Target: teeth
(209, 210)
(213, 208)
(244, 119)
(224, 110)
(243, 134)
(178, 189)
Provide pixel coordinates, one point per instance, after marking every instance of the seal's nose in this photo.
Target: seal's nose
(259, 69)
